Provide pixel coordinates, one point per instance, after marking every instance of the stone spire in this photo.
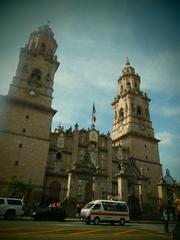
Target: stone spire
(127, 61)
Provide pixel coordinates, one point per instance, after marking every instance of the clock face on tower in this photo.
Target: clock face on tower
(32, 92)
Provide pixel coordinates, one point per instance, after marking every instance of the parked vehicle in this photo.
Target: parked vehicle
(11, 207)
(48, 213)
(105, 211)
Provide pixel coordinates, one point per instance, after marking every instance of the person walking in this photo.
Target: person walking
(165, 220)
(78, 210)
(176, 231)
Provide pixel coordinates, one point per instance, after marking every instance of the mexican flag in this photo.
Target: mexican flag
(93, 120)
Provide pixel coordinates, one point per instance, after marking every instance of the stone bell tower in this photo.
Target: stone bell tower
(133, 130)
(36, 69)
(131, 107)
(26, 113)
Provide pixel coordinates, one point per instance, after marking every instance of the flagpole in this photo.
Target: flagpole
(92, 120)
(93, 117)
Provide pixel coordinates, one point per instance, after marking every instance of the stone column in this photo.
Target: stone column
(122, 187)
(71, 196)
(72, 186)
(162, 194)
(94, 188)
(97, 188)
(142, 191)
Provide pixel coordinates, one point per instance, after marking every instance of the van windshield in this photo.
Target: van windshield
(89, 205)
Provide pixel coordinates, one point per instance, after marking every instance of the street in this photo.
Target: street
(30, 229)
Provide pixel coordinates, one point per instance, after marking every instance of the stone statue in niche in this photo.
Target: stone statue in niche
(92, 153)
(93, 157)
(92, 148)
(142, 171)
(102, 163)
(121, 168)
(102, 157)
(82, 155)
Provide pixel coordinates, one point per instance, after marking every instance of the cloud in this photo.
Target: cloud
(166, 138)
(161, 72)
(80, 83)
(170, 111)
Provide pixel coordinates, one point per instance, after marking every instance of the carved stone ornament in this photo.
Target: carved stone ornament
(60, 141)
(93, 136)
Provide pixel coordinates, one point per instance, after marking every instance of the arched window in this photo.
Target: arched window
(43, 47)
(139, 112)
(36, 74)
(58, 155)
(128, 85)
(33, 44)
(121, 114)
(146, 111)
(48, 77)
(115, 114)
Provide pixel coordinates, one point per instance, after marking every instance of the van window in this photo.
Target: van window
(114, 207)
(1, 201)
(14, 202)
(108, 206)
(89, 205)
(96, 207)
(121, 207)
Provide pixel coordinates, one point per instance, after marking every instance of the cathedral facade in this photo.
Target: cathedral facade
(77, 165)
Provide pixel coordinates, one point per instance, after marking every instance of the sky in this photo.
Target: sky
(94, 38)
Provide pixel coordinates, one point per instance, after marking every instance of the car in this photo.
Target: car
(47, 213)
(11, 207)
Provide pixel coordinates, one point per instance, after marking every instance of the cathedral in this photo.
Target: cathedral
(77, 165)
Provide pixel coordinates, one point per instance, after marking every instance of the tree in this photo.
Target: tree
(178, 184)
(18, 188)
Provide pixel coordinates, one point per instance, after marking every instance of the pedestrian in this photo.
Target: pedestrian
(165, 220)
(52, 205)
(78, 209)
(176, 231)
(57, 204)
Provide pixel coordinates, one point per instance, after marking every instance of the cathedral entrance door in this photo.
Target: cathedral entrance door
(54, 191)
(88, 192)
(134, 207)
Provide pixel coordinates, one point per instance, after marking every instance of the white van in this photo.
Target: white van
(11, 207)
(105, 211)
